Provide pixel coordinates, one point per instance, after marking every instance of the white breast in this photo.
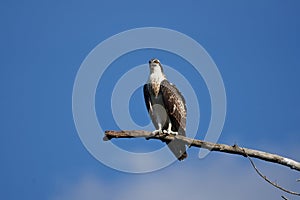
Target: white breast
(156, 76)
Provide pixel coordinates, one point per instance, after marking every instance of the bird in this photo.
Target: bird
(166, 107)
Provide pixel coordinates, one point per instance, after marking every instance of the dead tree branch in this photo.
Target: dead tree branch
(235, 149)
(269, 181)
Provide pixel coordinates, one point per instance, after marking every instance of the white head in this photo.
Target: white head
(155, 66)
(156, 71)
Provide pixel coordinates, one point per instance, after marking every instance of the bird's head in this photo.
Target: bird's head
(155, 66)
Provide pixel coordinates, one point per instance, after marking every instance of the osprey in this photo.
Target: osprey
(166, 107)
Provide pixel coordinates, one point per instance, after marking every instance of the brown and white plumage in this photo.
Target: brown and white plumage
(166, 107)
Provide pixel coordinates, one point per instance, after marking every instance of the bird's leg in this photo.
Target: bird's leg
(158, 131)
(169, 131)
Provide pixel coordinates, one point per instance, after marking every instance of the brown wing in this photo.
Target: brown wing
(175, 106)
(147, 97)
(176, 110)
(149, 104)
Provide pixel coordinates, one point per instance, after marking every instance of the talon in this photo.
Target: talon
(157, 132)
(154, 133)
(170, 132)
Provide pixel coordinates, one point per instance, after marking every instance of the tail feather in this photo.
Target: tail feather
(178, 149)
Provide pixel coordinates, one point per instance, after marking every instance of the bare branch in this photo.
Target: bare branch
(235, 149)
(268, 180)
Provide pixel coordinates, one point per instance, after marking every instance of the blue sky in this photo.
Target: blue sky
(255, 45)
